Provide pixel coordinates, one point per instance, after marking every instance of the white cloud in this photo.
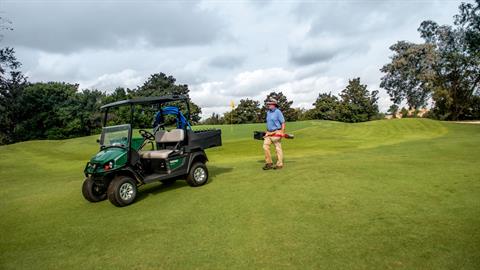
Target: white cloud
(126, 78)
(306, 90)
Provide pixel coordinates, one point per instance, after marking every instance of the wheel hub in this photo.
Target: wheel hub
(199, 175)
(97, 189)
(126, 191)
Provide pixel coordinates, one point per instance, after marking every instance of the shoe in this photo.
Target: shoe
(278, 167)
(268, 166)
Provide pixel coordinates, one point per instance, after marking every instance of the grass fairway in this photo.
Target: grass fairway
(397, 194)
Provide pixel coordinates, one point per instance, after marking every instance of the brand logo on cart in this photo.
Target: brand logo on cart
(175, 163)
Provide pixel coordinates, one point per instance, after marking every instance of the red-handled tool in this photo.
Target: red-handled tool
(285, 135)
(259, 135)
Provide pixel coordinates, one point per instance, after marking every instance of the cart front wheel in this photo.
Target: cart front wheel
(92, 191)
(122, 191)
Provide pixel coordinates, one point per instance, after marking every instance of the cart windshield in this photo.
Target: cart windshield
(116, 136)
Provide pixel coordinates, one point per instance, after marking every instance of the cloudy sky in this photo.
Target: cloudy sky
(223, 50)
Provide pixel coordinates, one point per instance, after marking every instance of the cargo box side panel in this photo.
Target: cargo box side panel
(204, 139)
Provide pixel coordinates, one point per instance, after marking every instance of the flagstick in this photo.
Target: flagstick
(231, 122)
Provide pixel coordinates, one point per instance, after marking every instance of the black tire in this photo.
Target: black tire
(92, 191)
(122, 191)
(198, 175)
(168, 182)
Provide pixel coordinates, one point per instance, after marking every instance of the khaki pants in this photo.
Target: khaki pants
(278, 148)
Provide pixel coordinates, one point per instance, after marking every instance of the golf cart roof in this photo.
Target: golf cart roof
(145, 100)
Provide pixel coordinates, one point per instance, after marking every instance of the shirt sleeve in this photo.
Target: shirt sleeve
(280, 117)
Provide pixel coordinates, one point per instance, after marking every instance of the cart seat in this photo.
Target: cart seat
(157, 154)
(174, 135)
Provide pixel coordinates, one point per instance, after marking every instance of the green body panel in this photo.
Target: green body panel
(109, 154)
(115, 154)
(175, 163)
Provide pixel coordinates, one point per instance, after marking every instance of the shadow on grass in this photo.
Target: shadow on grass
(262, 161)
(214, 171)
(154, 189)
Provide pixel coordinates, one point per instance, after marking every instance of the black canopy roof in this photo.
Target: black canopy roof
(145, 100)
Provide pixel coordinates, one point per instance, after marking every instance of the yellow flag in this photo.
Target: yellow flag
(232, 104)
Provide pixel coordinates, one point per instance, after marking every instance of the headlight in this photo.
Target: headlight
(108, 166)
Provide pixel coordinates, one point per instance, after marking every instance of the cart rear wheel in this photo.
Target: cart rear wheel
(198, 174)
(122, 191)
(92, 191)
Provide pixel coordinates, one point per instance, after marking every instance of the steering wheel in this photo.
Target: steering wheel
(146, 135)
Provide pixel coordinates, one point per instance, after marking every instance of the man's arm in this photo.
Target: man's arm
(282, 120)
(283, 128)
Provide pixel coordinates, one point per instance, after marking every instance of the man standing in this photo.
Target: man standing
(275, 130)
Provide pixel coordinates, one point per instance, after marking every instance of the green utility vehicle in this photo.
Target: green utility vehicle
(124, 163)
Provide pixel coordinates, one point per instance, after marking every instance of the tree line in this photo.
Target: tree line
(444, 70)
(354, 104)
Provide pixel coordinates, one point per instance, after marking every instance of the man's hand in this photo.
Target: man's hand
(282, 131)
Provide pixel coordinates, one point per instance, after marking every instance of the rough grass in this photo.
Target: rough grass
(397, 194)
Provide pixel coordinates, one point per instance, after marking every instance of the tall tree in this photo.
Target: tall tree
(409, 75)
(49, 111)
(12, 83)
(446, 67)
(248, 111)
(357, 103)
(88, 103)
(283, 104)
(457, 69)
(325, 107)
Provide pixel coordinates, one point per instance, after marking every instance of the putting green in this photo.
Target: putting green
(396, 194)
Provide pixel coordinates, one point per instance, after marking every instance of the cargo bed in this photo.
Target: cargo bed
(203, 139)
